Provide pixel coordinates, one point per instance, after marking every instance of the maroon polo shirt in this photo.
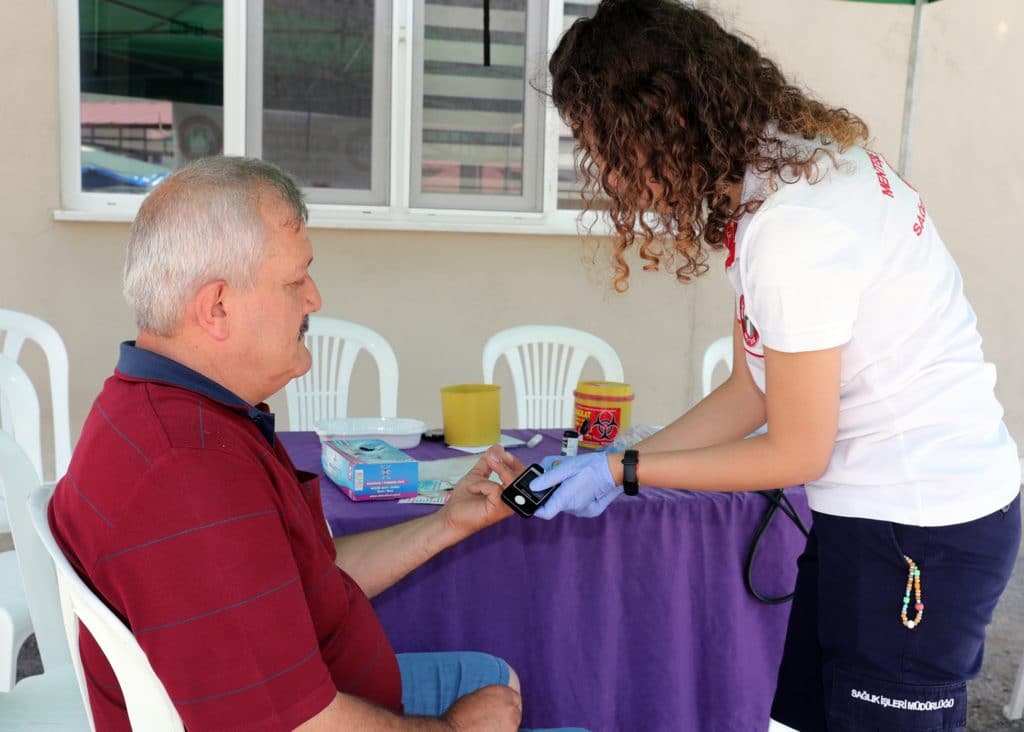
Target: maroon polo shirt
(184, 513)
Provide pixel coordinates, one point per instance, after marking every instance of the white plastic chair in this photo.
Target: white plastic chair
(322, 392)
(22, 410)
(21, 413)
(50, 700)
(546, 362)
(149, 707)
(17, 328)
(15, 620)
(719, 352)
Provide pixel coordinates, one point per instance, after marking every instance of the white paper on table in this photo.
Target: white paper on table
(432, 498)
(450, 470)
(506, 441)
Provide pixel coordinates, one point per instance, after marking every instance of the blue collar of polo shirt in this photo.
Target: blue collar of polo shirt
(138, 363)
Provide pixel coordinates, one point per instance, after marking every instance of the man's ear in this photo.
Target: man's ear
(208, 308)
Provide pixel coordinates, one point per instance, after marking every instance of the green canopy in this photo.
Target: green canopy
(153, 49)
(174, 50)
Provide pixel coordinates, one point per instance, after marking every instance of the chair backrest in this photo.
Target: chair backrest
(21, 411)
(17, 328)
(720, 351)
(18, 478)
(322, 392)
(149, 707)
(20, 408)
(546, 362)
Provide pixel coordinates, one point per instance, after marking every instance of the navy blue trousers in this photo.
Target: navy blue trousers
(849, 664)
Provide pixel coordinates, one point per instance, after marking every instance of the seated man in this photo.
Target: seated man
(182, 510)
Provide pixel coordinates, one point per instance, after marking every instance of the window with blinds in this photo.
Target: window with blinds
(569, 181)
(477, 125)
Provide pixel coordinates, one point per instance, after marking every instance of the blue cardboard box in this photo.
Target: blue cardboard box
(369, 470)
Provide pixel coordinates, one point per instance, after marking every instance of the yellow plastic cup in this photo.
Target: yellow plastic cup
(471, 414)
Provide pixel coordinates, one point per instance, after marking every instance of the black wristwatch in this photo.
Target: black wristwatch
(630, 485)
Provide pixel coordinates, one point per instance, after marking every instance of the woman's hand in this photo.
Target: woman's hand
(587, 486)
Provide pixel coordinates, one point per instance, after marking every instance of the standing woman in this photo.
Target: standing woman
(852, 340)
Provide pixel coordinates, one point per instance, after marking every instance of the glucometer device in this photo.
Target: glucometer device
(520, 498)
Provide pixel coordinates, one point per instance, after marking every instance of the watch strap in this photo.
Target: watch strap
(630, 484)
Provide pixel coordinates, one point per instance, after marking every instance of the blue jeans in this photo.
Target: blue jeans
(431, 682)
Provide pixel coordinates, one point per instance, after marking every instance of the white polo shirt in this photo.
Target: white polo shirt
(855, 261)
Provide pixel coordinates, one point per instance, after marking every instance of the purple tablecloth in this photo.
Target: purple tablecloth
(636, 620)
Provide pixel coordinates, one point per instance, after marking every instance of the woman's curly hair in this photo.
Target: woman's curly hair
(654, 90)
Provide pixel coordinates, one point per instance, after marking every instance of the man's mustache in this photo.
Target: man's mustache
(304, 327)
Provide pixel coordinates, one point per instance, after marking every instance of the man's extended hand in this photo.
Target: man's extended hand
(587, 486)
(476, 501)
(490, 709)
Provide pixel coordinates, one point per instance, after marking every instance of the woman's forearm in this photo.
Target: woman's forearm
(730, 412)
(803, 410)
(757, 463)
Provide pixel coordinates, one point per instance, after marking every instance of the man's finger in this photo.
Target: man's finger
(482, 467)
(506, 472)
(484, 487)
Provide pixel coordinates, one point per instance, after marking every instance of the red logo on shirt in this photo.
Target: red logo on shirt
(750, 334)
(878, 165)
(922, 213)
(730, 243)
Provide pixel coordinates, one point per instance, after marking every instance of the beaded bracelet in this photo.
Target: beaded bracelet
(913, 580)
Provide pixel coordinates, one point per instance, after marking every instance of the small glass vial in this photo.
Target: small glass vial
(570, 442)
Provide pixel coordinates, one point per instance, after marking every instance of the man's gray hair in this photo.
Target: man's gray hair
(200, 224)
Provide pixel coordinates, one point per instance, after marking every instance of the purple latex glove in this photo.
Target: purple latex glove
(548, 461)
(587, 486)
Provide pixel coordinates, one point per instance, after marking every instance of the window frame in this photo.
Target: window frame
(398, 211)
(377, 193)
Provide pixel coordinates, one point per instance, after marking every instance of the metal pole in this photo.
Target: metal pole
(909, 98)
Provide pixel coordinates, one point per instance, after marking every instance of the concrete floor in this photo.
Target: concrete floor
(987, 694)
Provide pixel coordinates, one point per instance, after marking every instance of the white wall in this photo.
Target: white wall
(438, 296)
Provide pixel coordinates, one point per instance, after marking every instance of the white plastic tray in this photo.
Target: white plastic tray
(396, 431)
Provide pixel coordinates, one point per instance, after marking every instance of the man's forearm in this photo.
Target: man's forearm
(377, 559)
(349, 712)
(380, 558)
